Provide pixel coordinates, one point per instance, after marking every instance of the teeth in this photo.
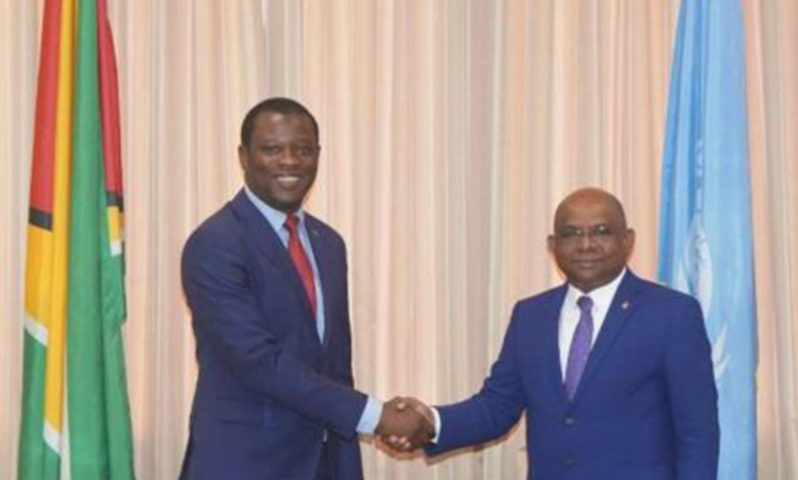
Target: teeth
(288, 181)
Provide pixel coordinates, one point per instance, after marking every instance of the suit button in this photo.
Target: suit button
(570, 421)
(571, 463)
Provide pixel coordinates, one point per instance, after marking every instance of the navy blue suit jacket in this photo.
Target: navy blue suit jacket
(646, 406)
(268, 388)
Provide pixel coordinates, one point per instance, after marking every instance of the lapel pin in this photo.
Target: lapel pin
(625, 305)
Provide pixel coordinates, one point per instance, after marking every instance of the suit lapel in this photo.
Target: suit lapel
(552, 342)
(266, 242)
(321, 254)
(623, 303)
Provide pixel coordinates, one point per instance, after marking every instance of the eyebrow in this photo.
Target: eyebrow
(592, 225)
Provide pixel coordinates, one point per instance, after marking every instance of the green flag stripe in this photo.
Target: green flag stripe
(31, 453)
(100, 443)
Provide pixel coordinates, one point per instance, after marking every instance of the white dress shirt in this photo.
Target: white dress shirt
(372, 412)
(569, 318)
(569, 314)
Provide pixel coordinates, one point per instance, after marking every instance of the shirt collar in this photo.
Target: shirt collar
(275, 217)
(602, 296)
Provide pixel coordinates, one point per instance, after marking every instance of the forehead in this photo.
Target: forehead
(589, 211)
(283, 124)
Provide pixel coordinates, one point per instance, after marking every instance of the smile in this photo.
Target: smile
(587, 263)
(287, 181)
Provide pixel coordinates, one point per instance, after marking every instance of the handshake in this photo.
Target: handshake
(406, 424)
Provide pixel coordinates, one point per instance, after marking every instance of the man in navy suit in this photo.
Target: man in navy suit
(614, 372)
(267, 286)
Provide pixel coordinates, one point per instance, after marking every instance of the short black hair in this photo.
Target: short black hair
(282, 105)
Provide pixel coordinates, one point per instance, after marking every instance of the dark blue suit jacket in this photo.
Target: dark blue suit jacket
(645, 409)
(268, 388)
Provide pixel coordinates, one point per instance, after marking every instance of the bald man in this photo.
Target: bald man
(614, 372)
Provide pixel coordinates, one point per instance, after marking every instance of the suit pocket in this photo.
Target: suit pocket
(661, 472)
(244, 412)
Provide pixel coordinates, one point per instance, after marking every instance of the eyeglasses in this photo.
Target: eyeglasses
(571, 235)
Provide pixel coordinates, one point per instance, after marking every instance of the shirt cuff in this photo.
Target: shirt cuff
(437, 417)
(370, 417)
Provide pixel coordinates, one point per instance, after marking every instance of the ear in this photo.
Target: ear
(550, 243)
(629, 241)
(243, 157)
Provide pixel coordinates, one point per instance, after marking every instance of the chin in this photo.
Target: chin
(287, 208)
(585, 284)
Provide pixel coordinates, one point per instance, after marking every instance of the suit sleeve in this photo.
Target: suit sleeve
(692, 394)
(227, 319)
(348, 463)
(491, 412)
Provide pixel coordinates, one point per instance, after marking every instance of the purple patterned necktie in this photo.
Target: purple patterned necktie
(580, 346)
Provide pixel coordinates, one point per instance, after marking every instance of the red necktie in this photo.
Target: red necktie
(300, 259)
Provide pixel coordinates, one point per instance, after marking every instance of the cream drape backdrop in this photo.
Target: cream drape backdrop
(450, 129)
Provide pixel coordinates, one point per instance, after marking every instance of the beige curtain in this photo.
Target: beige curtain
(450, 129)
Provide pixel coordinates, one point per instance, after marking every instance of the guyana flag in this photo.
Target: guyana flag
(75, 413)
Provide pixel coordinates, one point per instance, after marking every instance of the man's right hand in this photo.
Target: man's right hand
(406, 424)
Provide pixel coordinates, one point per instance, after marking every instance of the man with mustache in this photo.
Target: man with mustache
(614, 372)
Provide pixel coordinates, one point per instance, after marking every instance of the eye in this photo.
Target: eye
(305, 151)
(271, 150)
(602, 231)
(568, 234)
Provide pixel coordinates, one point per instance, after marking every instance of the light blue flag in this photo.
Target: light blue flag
(705, 217)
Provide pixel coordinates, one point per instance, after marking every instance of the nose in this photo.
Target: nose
(586, 240)
(288, 157)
